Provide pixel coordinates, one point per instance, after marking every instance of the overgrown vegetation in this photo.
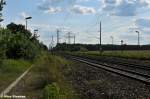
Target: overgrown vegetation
(17, 49)
(51, 91)
(54, 84)
(47, 79)
(17, 42)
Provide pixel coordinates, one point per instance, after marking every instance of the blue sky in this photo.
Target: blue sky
(120, 19)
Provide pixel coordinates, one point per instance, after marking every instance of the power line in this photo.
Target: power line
(52, 42)
(69, 36)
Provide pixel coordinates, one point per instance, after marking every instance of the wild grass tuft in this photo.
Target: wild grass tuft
(51, 71)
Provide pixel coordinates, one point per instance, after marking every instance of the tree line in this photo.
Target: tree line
(16, 42)
(96, 47)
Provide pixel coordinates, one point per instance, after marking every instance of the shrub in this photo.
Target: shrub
(82, 49)
(51, 91)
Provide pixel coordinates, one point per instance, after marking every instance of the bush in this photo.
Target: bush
(51, 70)
(16, 42)
(82, 49)
(2, 54)
(51, 91)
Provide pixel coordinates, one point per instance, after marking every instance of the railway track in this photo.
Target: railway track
(133, 74)
(124, 62)
(127, 63)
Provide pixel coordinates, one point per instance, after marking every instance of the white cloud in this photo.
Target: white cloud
(53, 10)
(53, 6)
(49, 6)
(124, 7)
(78, 9)
(20, 19)
(143, 25)
(24, 15)
(78, 1)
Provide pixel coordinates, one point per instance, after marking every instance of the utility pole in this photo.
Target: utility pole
(74, 39)
(112, 40)
(69, 38)
(122, 42)
(138, 37)
(27, 18)
(52, 43)
(58, 36)
(100, 41)
(122, 45)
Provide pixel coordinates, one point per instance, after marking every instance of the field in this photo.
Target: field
(141, 55)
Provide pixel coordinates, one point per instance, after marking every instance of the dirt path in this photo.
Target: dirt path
(31, 86)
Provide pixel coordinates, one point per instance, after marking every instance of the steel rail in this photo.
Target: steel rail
(127, 73)
(144, 67)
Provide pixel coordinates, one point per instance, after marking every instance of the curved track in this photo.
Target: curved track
(136, 75)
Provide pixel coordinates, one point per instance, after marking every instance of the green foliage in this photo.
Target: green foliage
(2, 54)
(18, 47)
(15, 66)
(51, 69)
(51, 91)
(82, 49)
(17, 42)
(14, 28)
(2, 46)
(2, 3)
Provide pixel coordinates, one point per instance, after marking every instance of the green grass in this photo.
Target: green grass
(47, 76)
(142, 55)
(10, 70)
(51, 67)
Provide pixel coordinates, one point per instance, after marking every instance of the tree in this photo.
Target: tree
(2, 3)
(14, 28)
